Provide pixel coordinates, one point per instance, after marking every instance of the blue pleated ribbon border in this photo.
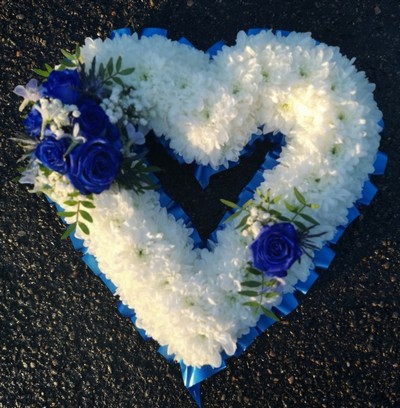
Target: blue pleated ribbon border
(193, 376)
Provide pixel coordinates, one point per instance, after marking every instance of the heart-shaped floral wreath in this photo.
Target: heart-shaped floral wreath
(85, 141)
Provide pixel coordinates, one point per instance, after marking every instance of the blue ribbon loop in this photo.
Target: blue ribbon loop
(323, 257)
(185, 41)
(368, 193)
(120, 32)
(150, 31)
(380, 164)
(213, 50)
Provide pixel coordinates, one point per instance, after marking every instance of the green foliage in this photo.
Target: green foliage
(136, 175)
(265, 205)
(257, 286)
(260, 290)
(78, 213)
(111, 72)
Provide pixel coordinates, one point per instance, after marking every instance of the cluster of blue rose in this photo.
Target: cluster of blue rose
(86, 147)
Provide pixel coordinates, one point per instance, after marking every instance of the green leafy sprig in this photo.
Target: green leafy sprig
(79, 212)
(136, 175)
(111, 73)
(258, 285)
(261, 288)
(265, 205)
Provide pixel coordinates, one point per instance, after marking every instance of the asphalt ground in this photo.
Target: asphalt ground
(62, 342)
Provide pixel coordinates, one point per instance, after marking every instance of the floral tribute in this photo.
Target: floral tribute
(86, 124)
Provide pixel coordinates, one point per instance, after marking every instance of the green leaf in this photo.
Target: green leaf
(283, 218)
(232, 217)
(251, 284)
(126, 71)
(66, 63)
(269, 295)
(84, 228)
(311, 220)
(101, 70)
(253, 271)
(110, 66)
(69, 231)
(247, 203)
(48, 67)
(313, 206)
(67, 54)
(66, 213)
(248, 293)
(87, 204)
(300, 198)
(275, 213)
(77, 51)
(71, 203)
(252, 304)
(118, 63)
(41, 72)
(300, 225)
(243, 222)
(269, 314)
(108, 83)
(74, 194)
(290, 207)
(85, 215)
(117, 81)
(276, 199)
(229, 204)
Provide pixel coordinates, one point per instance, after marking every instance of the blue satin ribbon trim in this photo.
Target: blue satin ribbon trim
(192, 376)
(213, 50)
(380, 164)
(185, 41)
(304, 287)
(120, 32)
(150, 31)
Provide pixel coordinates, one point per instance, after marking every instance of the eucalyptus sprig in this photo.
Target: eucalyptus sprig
(78, 212)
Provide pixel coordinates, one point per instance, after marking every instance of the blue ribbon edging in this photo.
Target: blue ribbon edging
(193, 376)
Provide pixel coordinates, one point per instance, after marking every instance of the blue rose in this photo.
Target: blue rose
(94, 165)
(276, 249)
(93, 121)
(50, 151)
(62, 85)
(33, 123)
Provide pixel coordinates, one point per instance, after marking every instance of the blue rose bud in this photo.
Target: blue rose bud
(62, 85)
(93, 121)
(276, 249)
(94, 165)
(33, 123)
(50, 151)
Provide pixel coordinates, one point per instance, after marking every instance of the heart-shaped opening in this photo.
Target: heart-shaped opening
(203, 206)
